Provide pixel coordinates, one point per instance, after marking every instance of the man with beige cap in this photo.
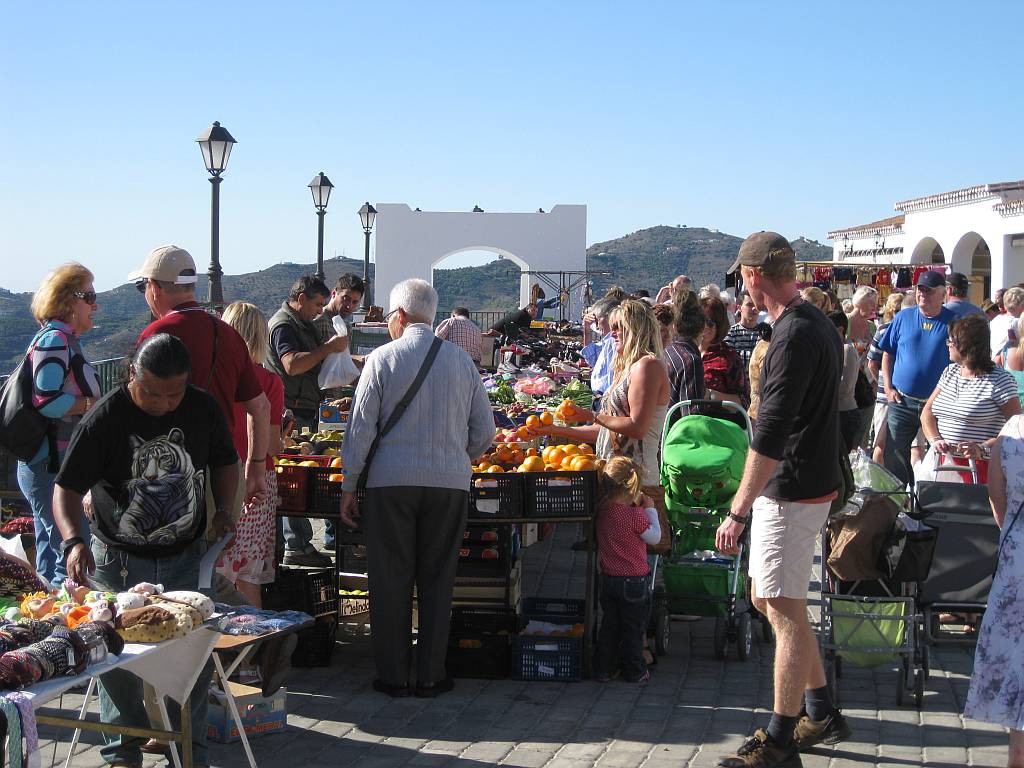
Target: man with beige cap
(790, 479)
(220, 360)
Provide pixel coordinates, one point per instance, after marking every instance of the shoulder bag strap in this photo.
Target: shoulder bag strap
(213, 354)
(410, 393)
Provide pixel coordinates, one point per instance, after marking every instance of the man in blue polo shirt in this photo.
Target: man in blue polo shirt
(914, 355)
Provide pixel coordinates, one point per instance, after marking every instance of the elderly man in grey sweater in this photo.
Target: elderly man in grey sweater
(417, 487)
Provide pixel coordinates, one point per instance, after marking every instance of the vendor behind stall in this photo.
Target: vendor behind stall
(514, 323)
(144, 451)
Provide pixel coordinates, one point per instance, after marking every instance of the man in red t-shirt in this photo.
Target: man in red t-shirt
(220, 360)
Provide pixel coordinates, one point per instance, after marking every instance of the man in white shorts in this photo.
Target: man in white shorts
(790, 479)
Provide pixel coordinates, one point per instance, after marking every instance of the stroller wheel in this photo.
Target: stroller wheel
(721, 638)
(744, 637)
(662, 629)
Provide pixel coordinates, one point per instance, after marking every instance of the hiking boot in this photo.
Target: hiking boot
(831, 730)
(759, 751)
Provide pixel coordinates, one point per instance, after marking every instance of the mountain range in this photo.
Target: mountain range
(648, 258)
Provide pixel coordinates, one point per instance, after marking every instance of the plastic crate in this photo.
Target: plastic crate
(496, 495)
(560, 494)
(316, 644)
(535, 657)
(294, 488)
(325, 496)
(353, 559)
(479, 642)
(312, 591)
(557, 610)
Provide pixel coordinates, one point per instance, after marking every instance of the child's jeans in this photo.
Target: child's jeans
(620, 640)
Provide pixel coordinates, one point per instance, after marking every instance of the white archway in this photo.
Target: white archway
(927, 251)
(410, 243)
(972, 257)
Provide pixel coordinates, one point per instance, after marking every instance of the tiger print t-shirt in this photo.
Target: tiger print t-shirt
(147, 474)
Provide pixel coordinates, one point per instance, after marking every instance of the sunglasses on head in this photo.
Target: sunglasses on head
(89, 297)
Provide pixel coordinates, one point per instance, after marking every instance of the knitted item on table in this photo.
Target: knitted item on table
(40, 629)
(21, 634)
(105, 631)
(19, 669)
(65, 650)
(28, 727)
(17, 578)
(10, 712)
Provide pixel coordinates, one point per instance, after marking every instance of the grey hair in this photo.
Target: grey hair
(863, 293)
(1013, 298)
(604, 307)
(417, 297)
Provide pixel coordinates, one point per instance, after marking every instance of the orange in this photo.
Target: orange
(336, 461)
(494, 468)
(517, 456)
(554, 455)
(585, 449)
(581, 463)
(335, 478)
(533, 464)
(523, 433)
(570, 450)
(546, 418)
(532, 422)
(551, 467)
(502, 455)
(483, 466)
(531, 451)
(567, 462)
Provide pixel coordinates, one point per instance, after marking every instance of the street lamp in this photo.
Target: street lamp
(321, 188)
(366, 216)
(215, 143)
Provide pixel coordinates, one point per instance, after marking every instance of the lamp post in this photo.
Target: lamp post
(366, 216)
(215, 143)
(321, 188)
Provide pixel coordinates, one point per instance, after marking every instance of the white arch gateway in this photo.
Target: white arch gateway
(978, 231)
(410, 243)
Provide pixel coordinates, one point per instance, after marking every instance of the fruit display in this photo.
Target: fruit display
(562, 458)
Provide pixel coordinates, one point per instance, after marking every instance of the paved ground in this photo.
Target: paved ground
(694, 709)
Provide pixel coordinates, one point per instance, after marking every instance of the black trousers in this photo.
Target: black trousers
(412, 537)
(620, 640)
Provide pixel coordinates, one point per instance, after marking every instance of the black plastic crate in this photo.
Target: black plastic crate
(496, 495)
(312, 591)
(352, 559)
(560, 494)
(479, 643)
(325, 496)
(535, 657)
(316, 644)
(557, 610)
(493, 559)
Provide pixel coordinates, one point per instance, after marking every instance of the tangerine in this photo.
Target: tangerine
(533, 464)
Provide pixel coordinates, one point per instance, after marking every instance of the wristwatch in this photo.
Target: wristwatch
(69, 544)
(741, 519)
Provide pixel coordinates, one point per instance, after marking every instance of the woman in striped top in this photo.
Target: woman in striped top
(974, 397)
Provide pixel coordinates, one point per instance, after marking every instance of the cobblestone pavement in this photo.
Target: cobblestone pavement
(693, 709)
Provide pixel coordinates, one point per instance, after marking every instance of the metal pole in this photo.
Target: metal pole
(216, 293)
(368, 293)
(320, 243)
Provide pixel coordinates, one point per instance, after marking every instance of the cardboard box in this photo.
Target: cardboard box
(349, 607)
(259, 715)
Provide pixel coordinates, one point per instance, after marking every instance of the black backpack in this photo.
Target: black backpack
(22, 427)
(863, 390)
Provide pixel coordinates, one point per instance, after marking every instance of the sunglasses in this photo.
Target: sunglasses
(140, 286)
(89, 297)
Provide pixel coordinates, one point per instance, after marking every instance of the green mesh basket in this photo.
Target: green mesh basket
(878, 625)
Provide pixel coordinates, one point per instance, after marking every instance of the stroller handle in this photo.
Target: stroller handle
(726, 405)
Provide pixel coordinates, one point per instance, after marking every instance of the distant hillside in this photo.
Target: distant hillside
(648, 258)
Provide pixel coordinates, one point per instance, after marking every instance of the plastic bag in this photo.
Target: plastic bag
(928, 469)
(338, 369)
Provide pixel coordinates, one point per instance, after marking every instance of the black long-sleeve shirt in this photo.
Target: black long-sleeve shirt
(798, 420)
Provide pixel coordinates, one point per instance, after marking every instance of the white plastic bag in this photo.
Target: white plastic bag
(928, 469)
(338, 369)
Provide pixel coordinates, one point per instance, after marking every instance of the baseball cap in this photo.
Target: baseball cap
(761, 248)
(958, 280)
(168, 264)
(931, 279)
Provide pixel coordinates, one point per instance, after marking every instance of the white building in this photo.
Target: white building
(978, 231)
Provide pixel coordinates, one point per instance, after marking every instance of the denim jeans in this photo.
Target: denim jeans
(37, 487)
(902, 423)
(121, 694)
(620, 640)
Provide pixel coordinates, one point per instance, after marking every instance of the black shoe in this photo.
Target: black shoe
(430, 690)
(394, 691)
(759, 751)
(831, 730)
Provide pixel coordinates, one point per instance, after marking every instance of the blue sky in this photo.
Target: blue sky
(792, 116)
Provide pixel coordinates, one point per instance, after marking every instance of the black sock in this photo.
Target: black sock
(780, 729)
(818, 703)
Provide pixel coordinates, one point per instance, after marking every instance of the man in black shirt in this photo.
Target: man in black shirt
(144, 451)
(791, 476)
(514, 323)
